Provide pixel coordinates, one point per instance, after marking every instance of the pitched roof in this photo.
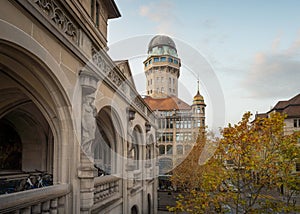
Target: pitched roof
(168, 103)
(290, 107)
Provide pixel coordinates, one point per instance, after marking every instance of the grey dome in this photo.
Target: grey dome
(161, 40)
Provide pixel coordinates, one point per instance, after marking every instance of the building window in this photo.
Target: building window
(156, 59)
(162, 149)
(92, 9)
(175, 61)
(151, 91)
(169, 149)
(162, 89)
(295, 123)
(179, 149)
(169, 124)
(203, 110)
(198, 110)
(161, 79)
(151, 81)
(187, 148)
(163, 59)
(170, 60)
(198, 123)
(150, 61)
(97, 13)
(170, 80)
(297, 166)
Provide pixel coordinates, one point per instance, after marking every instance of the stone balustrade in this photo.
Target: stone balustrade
(106, 187)
(50, 199)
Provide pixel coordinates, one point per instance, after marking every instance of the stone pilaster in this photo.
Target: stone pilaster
(88, 82)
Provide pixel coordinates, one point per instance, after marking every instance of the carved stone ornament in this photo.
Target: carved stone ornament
(88, 122)
(58, 16)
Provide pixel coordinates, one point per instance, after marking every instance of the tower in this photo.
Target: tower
(162, 68)
(178, 123)
(198, 109)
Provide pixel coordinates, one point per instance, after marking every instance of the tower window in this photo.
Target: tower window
(150, 61)
(156, 59)
(175, 61)
(170, 60)
(163, 59)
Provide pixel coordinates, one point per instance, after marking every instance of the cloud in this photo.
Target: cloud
(162, 13)
(275, 73)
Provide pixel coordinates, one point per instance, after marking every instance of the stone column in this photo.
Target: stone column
(88, 82)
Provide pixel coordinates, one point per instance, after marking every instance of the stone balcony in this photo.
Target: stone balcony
(42, 200)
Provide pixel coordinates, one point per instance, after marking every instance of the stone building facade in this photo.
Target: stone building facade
(68, 110)
(290, 108)
(178, 122)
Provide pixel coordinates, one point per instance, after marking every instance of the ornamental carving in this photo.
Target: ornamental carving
(99, 61)
(59, 18)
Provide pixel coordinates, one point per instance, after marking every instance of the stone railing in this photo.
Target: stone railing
(50, 199)
(106, 187)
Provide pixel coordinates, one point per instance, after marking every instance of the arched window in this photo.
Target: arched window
(134, 210)
(162, 149)
(107, 137)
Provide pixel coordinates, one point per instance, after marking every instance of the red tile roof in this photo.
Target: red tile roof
(166, 104)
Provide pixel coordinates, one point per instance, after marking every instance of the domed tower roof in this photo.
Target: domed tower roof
(198, 98)
(162, 44)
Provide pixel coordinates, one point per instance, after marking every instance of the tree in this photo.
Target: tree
(252, 161)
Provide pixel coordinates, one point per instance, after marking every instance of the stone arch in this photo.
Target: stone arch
(149, 204)
(134, 209)
(32, 89)
(136, 146)
(108, 147)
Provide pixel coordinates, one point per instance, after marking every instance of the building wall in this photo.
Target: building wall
(54, 58)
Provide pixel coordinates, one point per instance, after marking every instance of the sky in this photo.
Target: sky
(246, 54)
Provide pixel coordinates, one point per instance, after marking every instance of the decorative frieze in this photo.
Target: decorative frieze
(59, 17)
